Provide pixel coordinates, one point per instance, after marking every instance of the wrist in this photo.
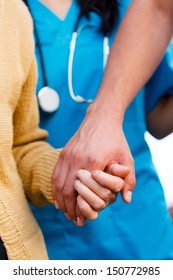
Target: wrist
(109, 107)
(109, 114)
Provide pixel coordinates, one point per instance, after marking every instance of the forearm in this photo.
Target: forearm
(137, 50)
(160, 120)
(35, 159)
(35, 162)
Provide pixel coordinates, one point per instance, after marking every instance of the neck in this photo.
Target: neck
(58, 7)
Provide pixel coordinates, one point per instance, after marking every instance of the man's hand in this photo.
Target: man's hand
(99, 142)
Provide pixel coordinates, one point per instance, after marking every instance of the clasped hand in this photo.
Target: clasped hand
(96, 190)
(98, 143)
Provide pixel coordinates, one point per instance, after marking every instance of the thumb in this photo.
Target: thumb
(118, 170)
(129, 185)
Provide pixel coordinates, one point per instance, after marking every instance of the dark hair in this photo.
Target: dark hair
(108, 10)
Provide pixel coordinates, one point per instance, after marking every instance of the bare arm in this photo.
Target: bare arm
(138, 48)
(160, 119)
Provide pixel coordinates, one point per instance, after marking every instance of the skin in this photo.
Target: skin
(171, 212)
(100, 140)
(97, 189)
(160, 119)
(160, 122)
(90, 200)
(59, 7)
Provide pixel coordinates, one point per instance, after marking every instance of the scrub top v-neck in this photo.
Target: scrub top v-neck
(55, 36)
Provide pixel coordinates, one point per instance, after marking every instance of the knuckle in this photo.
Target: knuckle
(77, 156)
(93, 161)
(107, 194)
(67, 192)
(57, 184)
(112, 200)
(67, 155)
(73, 153)
(119, 185)
(100, 205)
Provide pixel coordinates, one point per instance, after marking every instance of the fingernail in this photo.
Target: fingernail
(129, 196)
(56, 204)
(78, 222)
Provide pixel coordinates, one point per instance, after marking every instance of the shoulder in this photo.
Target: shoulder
(14, 15)
(17, 11)
(16, 29)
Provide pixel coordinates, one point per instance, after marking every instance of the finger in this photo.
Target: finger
(90, 197)
(55, 175)
(70, 195)
(74, 159)
(103, 192)
(114, 183)
(80, 221)
(86, 209)
(129, 181)
(58, 182)
(118, 170)
(127, 192)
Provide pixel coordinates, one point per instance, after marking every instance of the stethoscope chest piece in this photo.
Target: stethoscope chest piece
(48, 99)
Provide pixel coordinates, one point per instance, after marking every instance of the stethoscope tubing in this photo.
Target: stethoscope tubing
(46, 91)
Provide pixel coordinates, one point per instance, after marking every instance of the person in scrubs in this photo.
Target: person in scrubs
(160, 125)
(120, 83)
(139, 230)
(159, 113)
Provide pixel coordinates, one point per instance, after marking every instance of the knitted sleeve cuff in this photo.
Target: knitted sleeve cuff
(41, 180)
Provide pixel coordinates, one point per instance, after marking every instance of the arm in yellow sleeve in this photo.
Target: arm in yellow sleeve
(34, 157)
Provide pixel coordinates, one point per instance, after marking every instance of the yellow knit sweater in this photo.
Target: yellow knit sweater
(26, 160)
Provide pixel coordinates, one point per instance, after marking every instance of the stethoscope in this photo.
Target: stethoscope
(48, 98)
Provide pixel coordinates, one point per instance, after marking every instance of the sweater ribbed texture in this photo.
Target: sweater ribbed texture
(26, 160)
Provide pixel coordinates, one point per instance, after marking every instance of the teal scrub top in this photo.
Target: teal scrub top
(141, 230)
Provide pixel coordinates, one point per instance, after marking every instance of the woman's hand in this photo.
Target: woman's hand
(97, 189)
